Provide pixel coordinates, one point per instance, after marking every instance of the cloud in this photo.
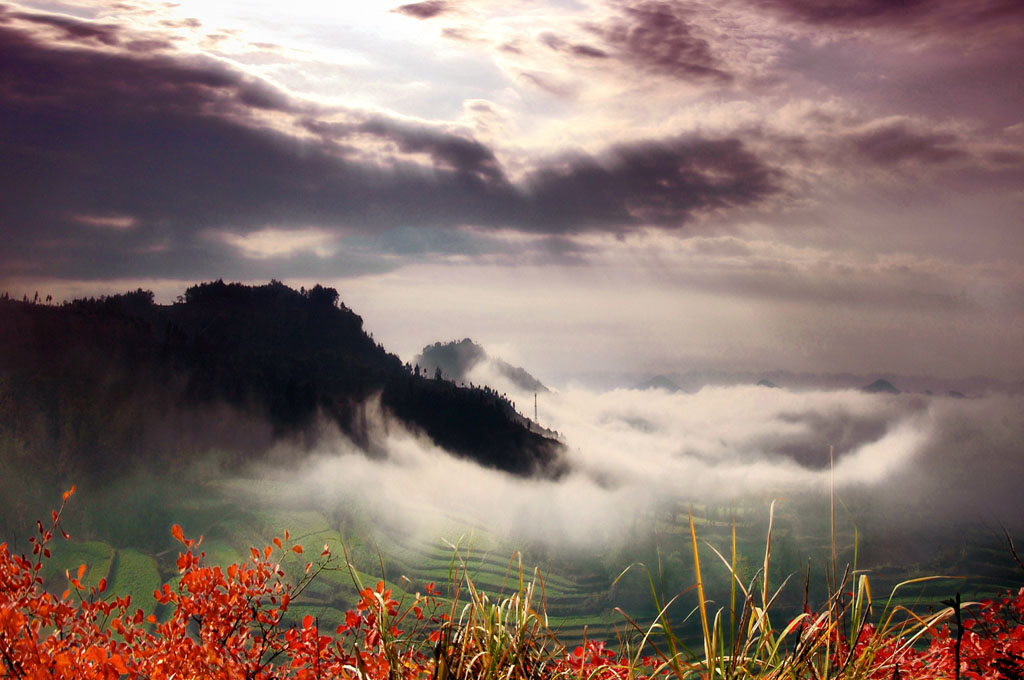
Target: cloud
(895, 143)
(107, 221)
(854, 12)
(641, 450)
(424, 10)
(180, 145)
(827, 149)
(660, 37)
(448, 151)
(660, 183)
(270, 243)
(577, 49)
(996, 19)
(76, 30)
(549, 83)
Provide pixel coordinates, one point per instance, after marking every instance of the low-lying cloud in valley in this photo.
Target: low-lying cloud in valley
(903, 461)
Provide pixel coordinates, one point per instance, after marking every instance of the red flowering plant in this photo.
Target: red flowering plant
(223, 623)
(234, 622)
(990, 641)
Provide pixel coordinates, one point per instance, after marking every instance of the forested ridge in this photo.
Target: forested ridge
(93, 386)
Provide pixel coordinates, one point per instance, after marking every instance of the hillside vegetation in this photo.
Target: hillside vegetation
(95, 387)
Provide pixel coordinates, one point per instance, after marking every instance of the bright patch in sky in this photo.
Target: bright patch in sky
(271, 243)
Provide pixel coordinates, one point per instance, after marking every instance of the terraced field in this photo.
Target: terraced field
(578, 589)
(136, 574)
(67, 556)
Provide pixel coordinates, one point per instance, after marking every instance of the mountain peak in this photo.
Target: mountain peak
(881, 386)
(658, 382)
(457, 359)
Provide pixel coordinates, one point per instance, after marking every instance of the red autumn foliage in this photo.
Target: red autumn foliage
(233, 623)
(224, 623)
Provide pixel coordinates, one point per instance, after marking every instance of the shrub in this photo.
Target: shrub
(235, 623)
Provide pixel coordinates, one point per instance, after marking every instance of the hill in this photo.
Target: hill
(881, 386)
(455, 361)
(94, 386)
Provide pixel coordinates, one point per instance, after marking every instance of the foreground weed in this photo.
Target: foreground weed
(234, 623)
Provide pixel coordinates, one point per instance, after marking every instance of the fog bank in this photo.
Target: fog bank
(909, 460)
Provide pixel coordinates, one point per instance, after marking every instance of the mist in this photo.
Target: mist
(904, 463)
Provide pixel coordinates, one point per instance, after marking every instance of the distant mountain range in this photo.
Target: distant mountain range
(658, 382)
(693, 381)
(96, 386)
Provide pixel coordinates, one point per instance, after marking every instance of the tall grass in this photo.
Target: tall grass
(851, 635)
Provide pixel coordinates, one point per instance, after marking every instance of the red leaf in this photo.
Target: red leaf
(297, 549)
(352, 619)
(307, 621)
(81, 572)
(118, 663)
(176, 532)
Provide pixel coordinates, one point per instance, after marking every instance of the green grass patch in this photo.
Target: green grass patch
(135, 574)
(69, 555)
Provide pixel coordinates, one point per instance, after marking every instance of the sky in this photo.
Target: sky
(581, 187)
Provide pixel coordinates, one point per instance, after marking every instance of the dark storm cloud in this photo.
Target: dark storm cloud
(925, 17)
(450, 151)
(424, 10)
(658, 37)
(849, 12)
(898, 143)
(118, 163)
(660, 183)
(72, 29)
(36, 74)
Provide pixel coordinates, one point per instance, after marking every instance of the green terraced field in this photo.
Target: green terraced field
(134, 573)
(97, 557)
(575, 588)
